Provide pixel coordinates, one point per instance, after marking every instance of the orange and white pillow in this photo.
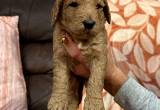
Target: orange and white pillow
(12, 84)
(134, 38)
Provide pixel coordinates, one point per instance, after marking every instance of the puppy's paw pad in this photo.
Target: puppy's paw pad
(93, 104)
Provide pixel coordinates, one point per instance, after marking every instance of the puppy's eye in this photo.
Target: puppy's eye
(74, 4)
(98, 6)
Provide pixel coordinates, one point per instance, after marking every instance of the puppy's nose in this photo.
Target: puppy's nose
(89, 24)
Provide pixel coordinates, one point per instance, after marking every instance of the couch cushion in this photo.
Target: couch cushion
(39, 95)
(37, 58)
(34, 17)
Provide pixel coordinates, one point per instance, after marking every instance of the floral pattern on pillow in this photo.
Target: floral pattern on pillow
(134, 37)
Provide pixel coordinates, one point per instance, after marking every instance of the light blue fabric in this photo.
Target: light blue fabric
(133, 96)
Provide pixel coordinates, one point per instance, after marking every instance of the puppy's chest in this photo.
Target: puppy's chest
(86, 50)
(89, 51)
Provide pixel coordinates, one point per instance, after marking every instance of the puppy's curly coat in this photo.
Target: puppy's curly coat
(84, 21)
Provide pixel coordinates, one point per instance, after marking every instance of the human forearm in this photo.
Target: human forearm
(129, 93)
(132, 96)
(114, 79)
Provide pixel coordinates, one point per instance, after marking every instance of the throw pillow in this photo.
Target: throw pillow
(12, 84)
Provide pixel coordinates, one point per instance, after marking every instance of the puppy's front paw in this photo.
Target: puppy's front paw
(92, 103)
(63, 102)
(59, 102)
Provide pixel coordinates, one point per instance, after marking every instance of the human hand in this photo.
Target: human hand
(114, 77)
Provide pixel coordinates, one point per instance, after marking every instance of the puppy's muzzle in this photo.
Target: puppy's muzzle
(89, 24)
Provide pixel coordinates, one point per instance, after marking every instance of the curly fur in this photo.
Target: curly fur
(93, 42)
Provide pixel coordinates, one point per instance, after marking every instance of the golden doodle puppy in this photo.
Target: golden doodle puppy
(83, 21)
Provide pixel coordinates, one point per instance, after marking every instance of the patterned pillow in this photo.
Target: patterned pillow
(12, 84)
(134, 37)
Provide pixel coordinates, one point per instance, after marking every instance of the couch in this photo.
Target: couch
(36, 46)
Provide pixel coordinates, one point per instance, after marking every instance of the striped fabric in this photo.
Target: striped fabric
(12, 84)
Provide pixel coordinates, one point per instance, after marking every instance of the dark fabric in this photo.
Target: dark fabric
(37, 67)
(36, 46)
(35, 17)
(39, 90)
(37, 58)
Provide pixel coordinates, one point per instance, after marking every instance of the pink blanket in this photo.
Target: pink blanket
(12, 84)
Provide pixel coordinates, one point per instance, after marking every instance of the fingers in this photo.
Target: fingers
(81, 70)
(72, 49)
(75, 53)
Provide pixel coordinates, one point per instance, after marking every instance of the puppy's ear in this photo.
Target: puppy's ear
(107, 12)
(56, 10)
